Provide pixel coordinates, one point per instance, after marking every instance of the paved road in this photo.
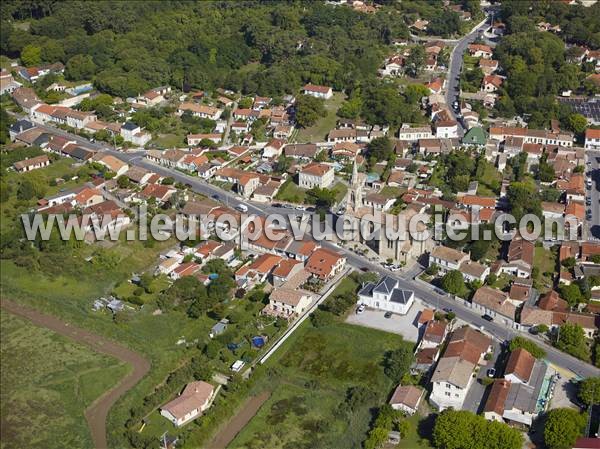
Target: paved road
(97, 412)
(593, 194)
(456, 60)
(426, 293)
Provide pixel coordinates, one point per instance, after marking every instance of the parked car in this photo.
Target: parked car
(491, 372)
(360, 309)
(487, 317)
(387, 315)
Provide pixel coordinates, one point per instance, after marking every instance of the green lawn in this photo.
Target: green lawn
(47, 382)
(392, 192)
(310, 377)
(545, 261)
(169, 141)
(319, 130)
(414, 440)
(290, 192)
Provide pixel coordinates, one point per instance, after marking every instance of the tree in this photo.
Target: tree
(589, 391)
(397, 362)
(31, 55)
(528, 345)
(454, 283)
(415, 61)
(571, 293)
(323, 199)
(80, 67)
(571, 339)
(562, 428)
(464, 430)
(379, 149)
(308, 110)
(123, 182)
(577, 123)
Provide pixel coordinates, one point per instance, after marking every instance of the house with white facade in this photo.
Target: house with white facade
(133, 133)
(324, 92)
(287, 303)
(316, 175)
(592, 139)
(386, 295)
(446, 258)
(195, 398)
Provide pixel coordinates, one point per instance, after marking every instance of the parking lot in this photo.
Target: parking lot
(404, 325)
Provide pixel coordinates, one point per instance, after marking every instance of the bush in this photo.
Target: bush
(528, 345)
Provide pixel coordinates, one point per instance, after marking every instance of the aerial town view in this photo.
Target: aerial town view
(294, 224)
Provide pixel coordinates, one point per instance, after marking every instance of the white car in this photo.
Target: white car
(361, 309)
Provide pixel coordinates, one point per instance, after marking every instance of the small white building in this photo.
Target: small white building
(406, 399)
(386, 295)
(324, 92)
(592, 139)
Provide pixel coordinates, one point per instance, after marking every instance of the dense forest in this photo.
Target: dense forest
(255, 47)
(537, 64)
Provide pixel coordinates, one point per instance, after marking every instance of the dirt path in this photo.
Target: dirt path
(97, 412)
(239, 421)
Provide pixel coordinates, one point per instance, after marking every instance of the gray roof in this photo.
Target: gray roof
(129, 126)
(401, 296)
(21, 125)
(524, 396)
(367, 290)
(386, 285)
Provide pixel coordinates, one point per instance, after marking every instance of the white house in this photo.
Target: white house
(450, 382)
(406, 399)
(447, 259)
(133, 133)
(273, 149)
(386, 295)
(592, 139)
(195, 398)
(287, 303)
(446, 129)
(316, 175)
(32, 163)
(406, 132)
(324, 92)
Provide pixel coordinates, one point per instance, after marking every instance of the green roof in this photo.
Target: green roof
(475, 136)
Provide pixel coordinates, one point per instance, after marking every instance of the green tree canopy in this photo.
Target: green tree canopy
(562, 428)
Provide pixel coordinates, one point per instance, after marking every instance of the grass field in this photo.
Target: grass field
(169, 141)
(545, 261)
(47, 382)
(314, 370)
(291, 193)
(319, 130)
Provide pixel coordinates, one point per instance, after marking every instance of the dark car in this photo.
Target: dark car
(487, 317)
(276, 205)
(364, 269)
(215, 196)
(387, 315)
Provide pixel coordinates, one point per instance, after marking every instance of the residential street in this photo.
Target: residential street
(456, 60)
(593, 194)
(422, 290)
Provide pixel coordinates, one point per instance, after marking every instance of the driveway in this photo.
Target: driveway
(397, 324)
(477, 394)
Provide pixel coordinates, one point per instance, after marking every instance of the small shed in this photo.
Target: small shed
(219, 328)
